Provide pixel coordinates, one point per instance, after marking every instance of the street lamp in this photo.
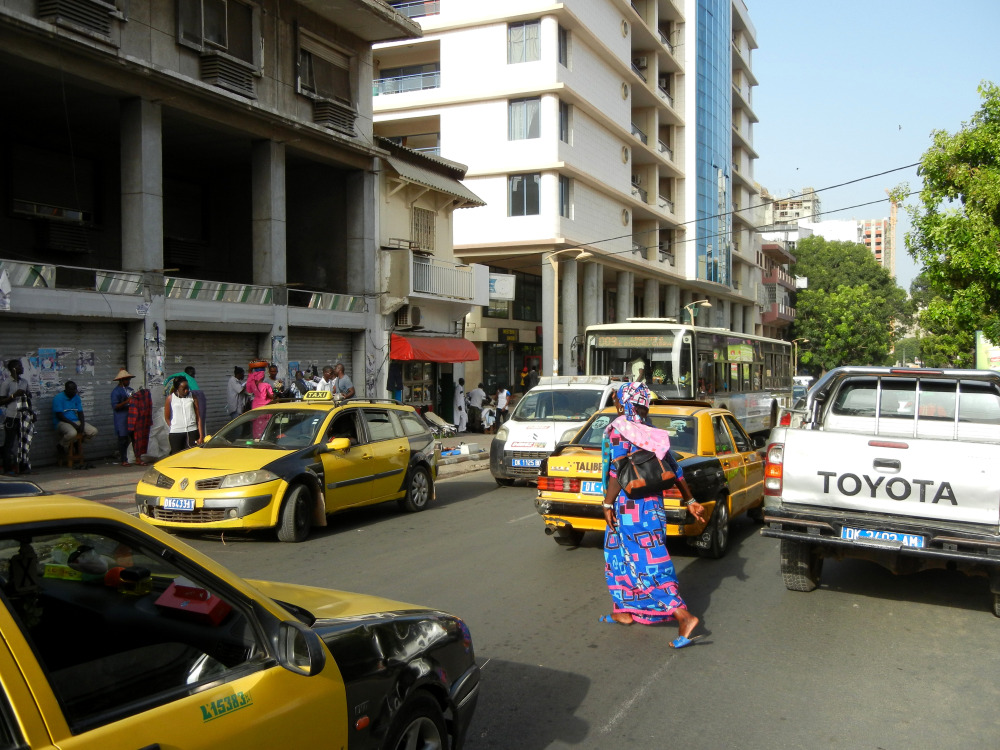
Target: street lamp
(697, 303)
(795, 354)
(555, 301)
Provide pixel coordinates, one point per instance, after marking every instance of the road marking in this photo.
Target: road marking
(625, 707)
(523, 518)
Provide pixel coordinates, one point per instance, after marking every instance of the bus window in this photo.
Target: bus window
(721, 377)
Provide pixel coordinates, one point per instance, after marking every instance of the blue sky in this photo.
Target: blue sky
(850, 88)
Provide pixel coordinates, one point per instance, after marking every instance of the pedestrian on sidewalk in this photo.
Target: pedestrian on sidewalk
(69, 420)
(121, 400)
(18, 420)
(236, 391)
(476, 397)
(503, 396)
(181, 415)
(344, 386)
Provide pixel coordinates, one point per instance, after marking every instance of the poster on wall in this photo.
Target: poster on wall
(85, 363)
(5, 288)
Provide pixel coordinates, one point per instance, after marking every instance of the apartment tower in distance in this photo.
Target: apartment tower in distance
(612, 142)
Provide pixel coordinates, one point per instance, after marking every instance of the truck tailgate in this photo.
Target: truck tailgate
(943, 480)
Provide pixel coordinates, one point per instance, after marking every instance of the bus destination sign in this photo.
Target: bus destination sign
(621, 341)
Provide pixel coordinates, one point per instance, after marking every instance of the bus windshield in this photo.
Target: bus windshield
(662, 360)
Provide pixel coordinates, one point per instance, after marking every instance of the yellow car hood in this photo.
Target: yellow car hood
(327, 603)
(226, 460)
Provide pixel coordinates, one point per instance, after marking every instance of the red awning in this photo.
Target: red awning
(432, 349)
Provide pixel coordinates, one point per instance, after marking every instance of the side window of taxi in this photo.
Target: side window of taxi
(116, 628)
(743, 444)
(723, 444)
(411, 424)
(380, 427)
(344, 425)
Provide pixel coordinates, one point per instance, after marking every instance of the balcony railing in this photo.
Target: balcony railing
(665, 149)
(638, 71)
(401, 84)
(638, 133)
(436, 150)
(666, 253)
(637, 247)
(39, 275)
(664, 94)
(665, 203)
(441, 278)
(218, 291)
(639, 193)
(778, 313)
(779, 276)
(325, 301)
(418, 8)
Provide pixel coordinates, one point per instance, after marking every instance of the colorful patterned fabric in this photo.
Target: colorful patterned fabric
(631, 395)
(643, 436)
(637, 566)
(140, 420)
(26, 423)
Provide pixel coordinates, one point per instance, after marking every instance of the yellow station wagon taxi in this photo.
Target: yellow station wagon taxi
(114, 634)
(288, 465)
(721, 464)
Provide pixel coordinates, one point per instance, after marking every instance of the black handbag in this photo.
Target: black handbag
(642, 474)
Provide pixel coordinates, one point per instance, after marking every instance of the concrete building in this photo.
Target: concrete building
(804, 206)
(622, 130)
(187, 184)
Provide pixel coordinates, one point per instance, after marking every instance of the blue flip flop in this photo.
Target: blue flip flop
(611, 620)
(682, 641)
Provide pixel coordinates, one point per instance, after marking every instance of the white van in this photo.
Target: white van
(550, 412)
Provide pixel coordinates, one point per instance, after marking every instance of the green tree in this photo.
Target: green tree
(956, 231)
(944, 341)
(851, 309)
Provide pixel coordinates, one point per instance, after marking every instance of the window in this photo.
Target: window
(564, 197)
(412, 425)
(219, 25)
(722, 442)
(523, 44)
(422, 228)
(528, 297)
(324, 72)
(564, 122)
(563, 43)
(523, 194)
(379, 425)
(524, 117)
(408, 78)
(743, 444)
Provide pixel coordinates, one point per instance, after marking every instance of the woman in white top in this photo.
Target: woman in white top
(181, 415)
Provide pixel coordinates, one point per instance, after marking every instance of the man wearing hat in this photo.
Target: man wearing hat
(121, 397)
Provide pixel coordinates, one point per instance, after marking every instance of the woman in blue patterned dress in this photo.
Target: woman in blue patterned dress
(638, 569)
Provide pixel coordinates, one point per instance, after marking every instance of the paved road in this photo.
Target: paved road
(867, 661)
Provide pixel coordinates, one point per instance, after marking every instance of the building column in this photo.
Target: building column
(548, 301)
(672, 306)
(651, 299)
(361, 217)
(623, 299)
(748, 319)
(268, 222)
(569, 317)
(727, 308)
(592, 292)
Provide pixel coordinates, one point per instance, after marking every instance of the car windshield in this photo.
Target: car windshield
(565, 405)
(682, 431)
(282, 429)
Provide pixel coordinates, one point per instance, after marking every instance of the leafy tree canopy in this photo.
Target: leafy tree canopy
(943, 341)
(956, 227)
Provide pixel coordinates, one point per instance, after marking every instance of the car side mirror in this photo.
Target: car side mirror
(759, 443)
(339, 444)
(300, 649)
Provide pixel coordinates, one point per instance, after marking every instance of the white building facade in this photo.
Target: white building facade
(612, 143)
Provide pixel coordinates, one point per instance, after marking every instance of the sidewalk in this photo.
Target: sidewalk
(114, 485)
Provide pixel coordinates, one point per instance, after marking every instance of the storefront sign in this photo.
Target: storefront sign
(502, 286)
(508, 335)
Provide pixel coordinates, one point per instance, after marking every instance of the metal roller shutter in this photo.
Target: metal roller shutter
(90, 354)
(213, 355)
(322, 347)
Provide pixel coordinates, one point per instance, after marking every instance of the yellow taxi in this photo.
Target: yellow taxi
(722, 465)
(114, 634)
(288, 465)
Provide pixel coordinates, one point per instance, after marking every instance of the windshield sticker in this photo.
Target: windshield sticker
(223, 706)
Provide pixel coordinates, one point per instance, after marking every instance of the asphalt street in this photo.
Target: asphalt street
(869, 660)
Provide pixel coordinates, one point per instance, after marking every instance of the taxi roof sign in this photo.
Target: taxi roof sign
(317, 396)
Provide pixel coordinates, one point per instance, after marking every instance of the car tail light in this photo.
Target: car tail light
(786, 419)
(673, 494)
(774, 468)
(558, 484)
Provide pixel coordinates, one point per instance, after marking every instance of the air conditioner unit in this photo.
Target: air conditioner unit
(408, 316)
(641, 62)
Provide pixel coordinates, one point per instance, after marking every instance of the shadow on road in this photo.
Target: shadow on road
(527, 707)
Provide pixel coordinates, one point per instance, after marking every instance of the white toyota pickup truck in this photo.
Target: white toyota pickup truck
(897, 466)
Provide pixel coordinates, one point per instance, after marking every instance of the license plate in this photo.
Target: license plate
(178, 503)
(592, 488)
(526, 462)
(875, 538)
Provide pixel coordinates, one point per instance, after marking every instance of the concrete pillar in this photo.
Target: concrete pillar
(569, 316)
(361, 253)
(651, 299)
(672, 308)
(592, 291)
(268, 223)
(727, 319)
(548, 300)
(748, 319)
(623, 303)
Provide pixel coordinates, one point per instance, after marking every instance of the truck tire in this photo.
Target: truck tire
(719, 528)
(801, 566)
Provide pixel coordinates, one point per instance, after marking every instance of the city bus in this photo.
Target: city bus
(749, 375)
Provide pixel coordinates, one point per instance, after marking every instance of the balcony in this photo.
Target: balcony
(778, 314)
(639, 72)
(640, 193)
(417, 8)
(665, 150)
(639, 134)
(666, 253)
(416, 274)
(402, 84)
(780, 276)
(665, 95)
(665, 203)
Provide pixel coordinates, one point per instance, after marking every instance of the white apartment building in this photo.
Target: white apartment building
(612, 143)
(803, 206)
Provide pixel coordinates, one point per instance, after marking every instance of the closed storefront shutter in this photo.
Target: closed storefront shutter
(321, 347)
(90, 354)
(213, 355)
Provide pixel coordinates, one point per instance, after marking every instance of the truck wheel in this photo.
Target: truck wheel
(568, 537)
(296, 515)
(418, 491)
(719, 525)
(801, 566)
(418, 724)
(504, 482)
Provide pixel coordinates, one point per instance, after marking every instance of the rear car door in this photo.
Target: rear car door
(753, 465)
(391, 451)
(732, 462)
(348, 473)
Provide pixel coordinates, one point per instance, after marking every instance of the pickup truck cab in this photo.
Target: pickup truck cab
(897, 466)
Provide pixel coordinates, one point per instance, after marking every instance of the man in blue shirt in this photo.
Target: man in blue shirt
(68, 417)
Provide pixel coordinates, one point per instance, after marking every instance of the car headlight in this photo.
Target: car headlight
(502, 434)
(151, 476)
(567, 437)
(243, 478)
